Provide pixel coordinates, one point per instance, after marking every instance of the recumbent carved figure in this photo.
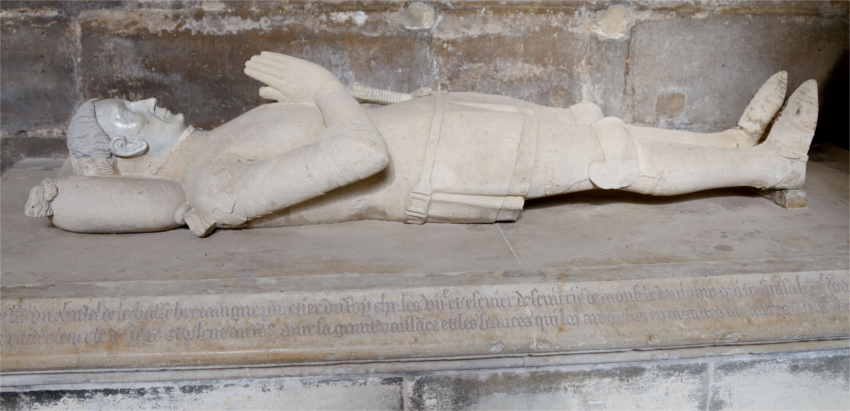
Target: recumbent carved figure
(318, 156)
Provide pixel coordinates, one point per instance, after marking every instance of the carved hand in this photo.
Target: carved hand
(298, 80)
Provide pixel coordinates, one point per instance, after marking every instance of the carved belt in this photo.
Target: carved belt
(461, 208)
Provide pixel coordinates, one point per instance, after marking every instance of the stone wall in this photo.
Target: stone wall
(683, 64)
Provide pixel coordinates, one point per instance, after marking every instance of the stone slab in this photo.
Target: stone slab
(61, 379)
(592, 277)
(340, 393)
(712, 227)
(808, 380)
(803, 382)
(395, 324)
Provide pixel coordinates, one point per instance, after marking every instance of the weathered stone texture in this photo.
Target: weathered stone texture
(699, 73)
(38, 75)
(805, 382)
(673, 64)
(336, 393)
(624, 387)
(20, 146)
(808, 380)
(534, 57)
(193, 63)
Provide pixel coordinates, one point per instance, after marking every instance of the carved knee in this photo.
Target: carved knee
(620, 166)
(586, 113)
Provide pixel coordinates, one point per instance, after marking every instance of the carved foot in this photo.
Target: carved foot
(790, 199)
(762, 109)
(790, 139)
(793, 130)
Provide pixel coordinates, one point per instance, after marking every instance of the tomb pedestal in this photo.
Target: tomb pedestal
(598, 277)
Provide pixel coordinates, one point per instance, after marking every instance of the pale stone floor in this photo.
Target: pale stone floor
(589, 236)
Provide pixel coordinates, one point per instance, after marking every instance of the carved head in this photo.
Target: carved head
(101, 129)
(138, 127)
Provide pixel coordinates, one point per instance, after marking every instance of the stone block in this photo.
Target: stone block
(538, 57)
(38, 78)
(700, 71)
(193, 62)
(599, 388)
(805, 382)
(327, 393)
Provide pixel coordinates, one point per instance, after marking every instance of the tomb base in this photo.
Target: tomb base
(701, 290)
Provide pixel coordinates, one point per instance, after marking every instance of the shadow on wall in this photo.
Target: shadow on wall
(834, 117)
(14, 149)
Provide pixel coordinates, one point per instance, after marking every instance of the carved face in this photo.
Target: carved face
(136, 126)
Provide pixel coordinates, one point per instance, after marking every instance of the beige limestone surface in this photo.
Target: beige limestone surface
(659, 272)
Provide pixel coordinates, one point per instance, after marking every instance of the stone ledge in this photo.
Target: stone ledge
(56, 380)
(392, 323)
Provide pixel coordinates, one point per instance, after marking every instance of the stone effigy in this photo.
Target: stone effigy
(318, 156)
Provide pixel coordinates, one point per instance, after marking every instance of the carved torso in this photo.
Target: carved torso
(493, 131)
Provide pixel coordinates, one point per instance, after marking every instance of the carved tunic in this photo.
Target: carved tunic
(477, 154)
(479, 159)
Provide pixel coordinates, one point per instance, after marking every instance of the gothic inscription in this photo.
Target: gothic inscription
(553, 314)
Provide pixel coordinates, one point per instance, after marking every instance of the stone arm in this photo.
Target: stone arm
(350, 149)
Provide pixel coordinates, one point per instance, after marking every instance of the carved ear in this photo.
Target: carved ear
(122, 147)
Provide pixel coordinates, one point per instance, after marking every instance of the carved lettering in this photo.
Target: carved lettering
(653, 305)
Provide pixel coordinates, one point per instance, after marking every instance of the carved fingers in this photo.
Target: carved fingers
(270, 93)
(295, 79)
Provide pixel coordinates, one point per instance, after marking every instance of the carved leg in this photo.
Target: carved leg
(779, 163)
(673, 169)
(747, 133)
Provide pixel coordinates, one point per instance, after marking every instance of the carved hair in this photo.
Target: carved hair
(87, 166)
(89, 144)
(38, 204)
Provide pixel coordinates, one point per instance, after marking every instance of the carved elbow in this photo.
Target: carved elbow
(357, 156)
(368, 156)
(378, 158)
